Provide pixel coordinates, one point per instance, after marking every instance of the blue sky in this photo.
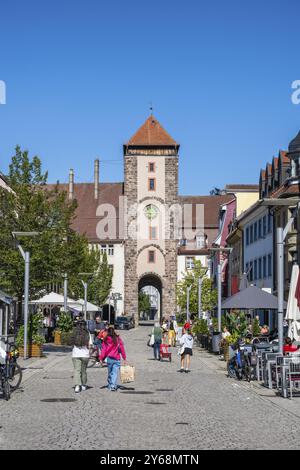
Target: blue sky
(80, 76)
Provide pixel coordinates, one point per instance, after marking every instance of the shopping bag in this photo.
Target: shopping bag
(127, 374)
(151, 342)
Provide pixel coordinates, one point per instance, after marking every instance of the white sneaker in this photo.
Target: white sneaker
(83, 388)
(77, 389)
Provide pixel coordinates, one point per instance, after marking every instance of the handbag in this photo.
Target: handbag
(127, 374)
(181, 350)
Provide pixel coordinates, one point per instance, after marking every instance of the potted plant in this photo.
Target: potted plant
(35, 339)
(64, 328)
(228, 341)
(200, 330)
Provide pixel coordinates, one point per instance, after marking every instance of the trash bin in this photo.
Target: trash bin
(216, 338)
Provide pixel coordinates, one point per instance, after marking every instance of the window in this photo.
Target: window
(151, 256)
(259, 268)
(103, 249)
(255, 270)
(259, 229)
(111, 250)
(151, 167)
(247, 236)
(151, 184)
(264, 267)
(200, 241)
(251, 234)
(264, 226)
(269, 265)
(189, 263)
(153, 233)
(255, 232)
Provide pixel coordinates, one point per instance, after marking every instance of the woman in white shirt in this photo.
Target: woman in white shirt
(81, 340)
(186, 351)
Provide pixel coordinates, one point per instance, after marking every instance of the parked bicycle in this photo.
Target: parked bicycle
(243, 364)
(10, 372)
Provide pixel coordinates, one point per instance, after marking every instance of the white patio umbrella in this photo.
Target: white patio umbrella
(90, 307)
(293, 311)
(53, 298)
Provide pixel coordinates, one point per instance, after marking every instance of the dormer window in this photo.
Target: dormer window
(200, 241)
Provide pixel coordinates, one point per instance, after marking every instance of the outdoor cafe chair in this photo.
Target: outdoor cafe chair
(269, 359)
(293, 374)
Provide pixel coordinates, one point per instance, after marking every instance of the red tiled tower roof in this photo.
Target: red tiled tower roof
(151, 133)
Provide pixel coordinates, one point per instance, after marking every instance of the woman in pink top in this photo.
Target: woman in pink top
(113, 350)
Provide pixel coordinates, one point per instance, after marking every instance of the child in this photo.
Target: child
(186, 342)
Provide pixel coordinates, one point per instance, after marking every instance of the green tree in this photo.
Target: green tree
(191, 277)
(30, 206)
(99, 278)
(144, 302)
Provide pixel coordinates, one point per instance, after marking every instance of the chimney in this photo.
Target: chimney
(71, 184)
(96, 179)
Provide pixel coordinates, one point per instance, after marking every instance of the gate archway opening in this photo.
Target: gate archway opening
(151, 285)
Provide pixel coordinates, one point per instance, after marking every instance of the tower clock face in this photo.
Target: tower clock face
(151, 211)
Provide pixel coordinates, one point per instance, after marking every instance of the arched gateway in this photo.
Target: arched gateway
(150, 189)
(151, 284)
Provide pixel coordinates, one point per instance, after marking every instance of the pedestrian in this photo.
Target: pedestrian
(172, 334)
(289, 347)
(186, 342)
(81, 340)
(112, 349)
(157, 333)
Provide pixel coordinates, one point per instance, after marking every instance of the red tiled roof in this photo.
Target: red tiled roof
(86, 221)
(241, 187)
(211, 207)
(151, 133)
(284, 157)
(285, 190)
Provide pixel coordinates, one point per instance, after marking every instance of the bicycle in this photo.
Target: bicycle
(10, 372)
(243, 364)
(94, 357)
(15, 370)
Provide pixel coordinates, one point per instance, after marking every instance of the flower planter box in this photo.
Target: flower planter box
(226, 352)
(57, 338)
(33, 350)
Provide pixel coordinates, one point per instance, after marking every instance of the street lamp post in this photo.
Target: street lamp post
(26, 257)
(200, 282)
(85, 287)
(65, 292)
(188, 303)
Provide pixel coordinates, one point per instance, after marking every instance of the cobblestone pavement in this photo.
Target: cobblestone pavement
(200, 410)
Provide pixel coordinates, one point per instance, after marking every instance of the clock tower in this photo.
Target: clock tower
(151, 191)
